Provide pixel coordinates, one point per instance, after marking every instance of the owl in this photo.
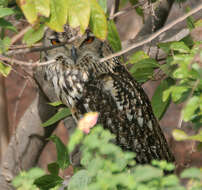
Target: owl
(85, 84)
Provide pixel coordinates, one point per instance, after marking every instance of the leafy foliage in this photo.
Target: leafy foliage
(34, 35)
(182, 81)
(62, 113)
(160, 106)
(187, 75)
(62, 160)
(4, 69)
(113, 36)
(25, 180)
(77, 13)
(105, 166)
(143, 66)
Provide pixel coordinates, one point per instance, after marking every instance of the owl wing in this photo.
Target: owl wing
(125, 110)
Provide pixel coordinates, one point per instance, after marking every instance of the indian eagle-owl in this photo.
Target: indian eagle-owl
(85, 84)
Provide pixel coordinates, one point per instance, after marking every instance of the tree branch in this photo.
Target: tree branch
(154, 35)
(122, 12)
(39, 48)
(24, 46)
(24, 63)
(20, 34)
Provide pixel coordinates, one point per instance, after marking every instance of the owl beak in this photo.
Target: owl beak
(74, 54)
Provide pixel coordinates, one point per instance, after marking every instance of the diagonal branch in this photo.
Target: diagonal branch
(126, 10)
(154, 35)
(20, 34)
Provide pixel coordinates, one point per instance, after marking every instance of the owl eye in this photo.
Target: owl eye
(89, 39)
(55, 41)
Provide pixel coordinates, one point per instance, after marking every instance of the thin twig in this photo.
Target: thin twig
(125, 10)
(35, 64)
(15, 71)
(40, 48)
(24, 46)
(24, 63)
(154, 35)
(34, 49)
(112, 9)
(20, 34)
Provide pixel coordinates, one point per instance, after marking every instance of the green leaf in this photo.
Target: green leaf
(190, 20)
(190, 23)
(177, 92)
(53, 168)
(58, 15)
(79, 181)
(62, 153)
(170, 180)
(165, 46)
(48, 181)
(4, 69)
(197, 137)
(144, 69)
(198, 23)
(138, 56)
(103, 4)
(180, 46)
(168, 69)
(57, 103)
(142, 75)
(6, 12)
(4, 3)
(159, 106)
(139, 11)
(78, 14)
(113, 36)
(167, 93)
(4, 44)
(163, 164)
(182, 59)
(188, 41)
(146, 173)
(191, 173)
(29, 10)
(75, 139)
(181, 73)
(190, 108)
(180, 135)
(43, 7)
(98, 22)
(57, 117)
(34, 35)
(144, 63)
(33, 8)
(28, 177)
(7, 25)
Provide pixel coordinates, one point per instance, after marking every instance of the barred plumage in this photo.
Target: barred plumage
(84, 84)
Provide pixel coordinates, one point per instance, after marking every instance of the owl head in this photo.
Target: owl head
(75, 50)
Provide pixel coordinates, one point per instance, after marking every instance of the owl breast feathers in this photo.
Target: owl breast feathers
(85, 84)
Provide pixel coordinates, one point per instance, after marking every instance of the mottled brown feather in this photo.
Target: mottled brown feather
(108, 88)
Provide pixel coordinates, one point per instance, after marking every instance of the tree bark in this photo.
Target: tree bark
(4, 123)
(28, 141)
